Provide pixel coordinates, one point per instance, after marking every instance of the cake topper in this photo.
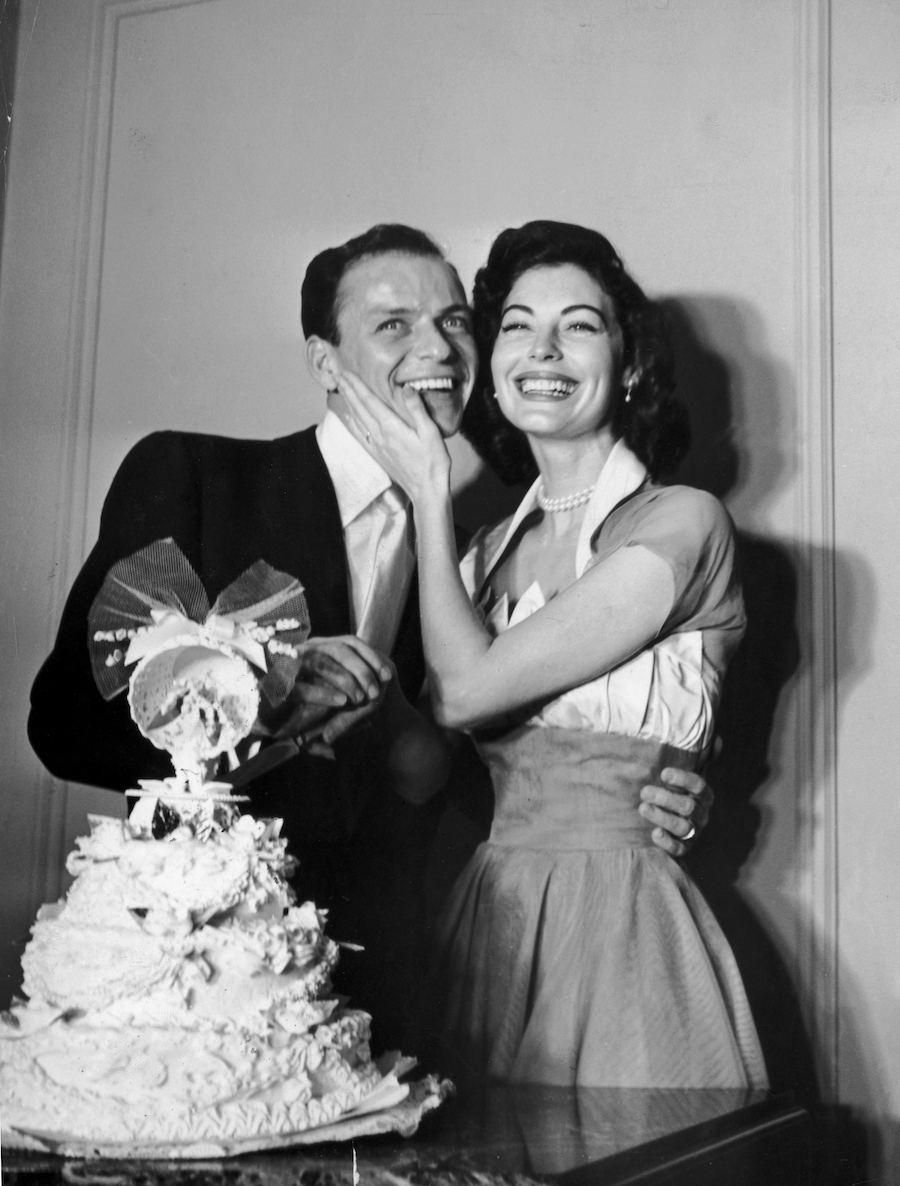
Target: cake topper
(195, 673)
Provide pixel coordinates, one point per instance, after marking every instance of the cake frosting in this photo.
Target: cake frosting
(179, 993)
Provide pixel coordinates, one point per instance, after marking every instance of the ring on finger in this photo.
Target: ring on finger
(691, 834)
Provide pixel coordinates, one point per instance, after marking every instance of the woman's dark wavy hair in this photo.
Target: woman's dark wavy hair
(652, 423)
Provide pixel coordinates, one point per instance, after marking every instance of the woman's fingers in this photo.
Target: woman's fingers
(358, 418)
(403, 438)
(378, 420)
(415, 406)
(370, 413)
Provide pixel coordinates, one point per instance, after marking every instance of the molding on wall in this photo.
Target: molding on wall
(85, 310)
(817, 717)
(69, 545)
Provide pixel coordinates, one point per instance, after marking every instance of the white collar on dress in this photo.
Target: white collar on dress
(621, 475)
(357, 477)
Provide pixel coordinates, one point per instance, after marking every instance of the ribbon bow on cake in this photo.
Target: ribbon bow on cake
(215, 631)
(190, 667)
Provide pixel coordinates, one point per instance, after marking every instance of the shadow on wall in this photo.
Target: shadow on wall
(721, 399)
(725, 405)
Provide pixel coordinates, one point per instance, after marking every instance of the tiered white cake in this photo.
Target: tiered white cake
(178, 999)
(178, 994)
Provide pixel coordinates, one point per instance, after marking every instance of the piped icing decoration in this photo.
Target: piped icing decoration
(180, 992)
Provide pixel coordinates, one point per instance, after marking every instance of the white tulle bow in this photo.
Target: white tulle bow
(154, 601)
(171, 628)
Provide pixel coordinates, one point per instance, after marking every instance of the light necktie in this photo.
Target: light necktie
(391, 575)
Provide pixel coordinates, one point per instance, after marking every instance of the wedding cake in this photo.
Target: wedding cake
(178, 994)
(178, 999)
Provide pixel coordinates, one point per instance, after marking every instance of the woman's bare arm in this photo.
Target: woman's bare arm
(612, 612)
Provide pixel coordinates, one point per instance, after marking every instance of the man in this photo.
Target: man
(315, 505)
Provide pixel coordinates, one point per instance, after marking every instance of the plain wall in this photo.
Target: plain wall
(173, 167)
(866, 163)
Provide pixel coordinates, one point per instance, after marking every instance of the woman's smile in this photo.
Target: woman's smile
(557, 359)
(542, 385)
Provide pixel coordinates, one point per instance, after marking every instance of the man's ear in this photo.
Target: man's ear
(321, 361)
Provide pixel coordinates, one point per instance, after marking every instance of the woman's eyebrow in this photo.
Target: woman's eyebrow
(568, 309)
(593, 309)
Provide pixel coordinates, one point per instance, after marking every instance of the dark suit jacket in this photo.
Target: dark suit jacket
(227, 503)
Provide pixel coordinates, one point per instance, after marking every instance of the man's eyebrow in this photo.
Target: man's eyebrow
(387, 311)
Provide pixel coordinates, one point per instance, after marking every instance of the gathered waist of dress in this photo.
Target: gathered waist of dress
(574, 789)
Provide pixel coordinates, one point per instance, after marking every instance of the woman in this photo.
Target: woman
(584, 645)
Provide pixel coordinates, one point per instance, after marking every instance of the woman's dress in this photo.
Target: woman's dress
(572, 950)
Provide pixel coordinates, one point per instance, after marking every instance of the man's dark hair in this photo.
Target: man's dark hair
(652, 422)
(319, 295)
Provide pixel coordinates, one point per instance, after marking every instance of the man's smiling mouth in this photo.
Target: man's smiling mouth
(435, 383)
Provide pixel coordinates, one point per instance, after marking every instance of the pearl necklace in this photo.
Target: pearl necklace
(566, 503)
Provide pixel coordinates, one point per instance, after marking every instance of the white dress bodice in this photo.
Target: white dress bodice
(666, 693)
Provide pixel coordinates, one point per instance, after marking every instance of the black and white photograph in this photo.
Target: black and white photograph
(448, 534)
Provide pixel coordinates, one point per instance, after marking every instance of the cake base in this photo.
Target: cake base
(391, 1107)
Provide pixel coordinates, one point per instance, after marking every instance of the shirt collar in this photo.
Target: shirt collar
(621, 475)
(357, 477)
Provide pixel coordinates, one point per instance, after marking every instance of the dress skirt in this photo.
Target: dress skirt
(572, 950)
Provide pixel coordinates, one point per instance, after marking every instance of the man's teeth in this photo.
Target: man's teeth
(547, 387)
(447, 383)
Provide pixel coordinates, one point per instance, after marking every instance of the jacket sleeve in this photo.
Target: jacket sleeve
(75, 732)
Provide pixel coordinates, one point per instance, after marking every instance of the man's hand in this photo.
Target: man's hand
(679, 810)
(341, 681)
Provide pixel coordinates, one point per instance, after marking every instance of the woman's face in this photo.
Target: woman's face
(557, 360)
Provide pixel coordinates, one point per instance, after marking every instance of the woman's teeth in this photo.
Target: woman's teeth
(554, 387)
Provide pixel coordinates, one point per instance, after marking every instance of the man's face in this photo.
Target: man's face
(403, 321)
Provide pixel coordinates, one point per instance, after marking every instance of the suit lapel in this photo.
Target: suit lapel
(307, 524)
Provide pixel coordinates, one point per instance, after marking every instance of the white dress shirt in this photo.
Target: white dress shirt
(377, 534)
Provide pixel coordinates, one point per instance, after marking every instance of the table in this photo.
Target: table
(492, 1134)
